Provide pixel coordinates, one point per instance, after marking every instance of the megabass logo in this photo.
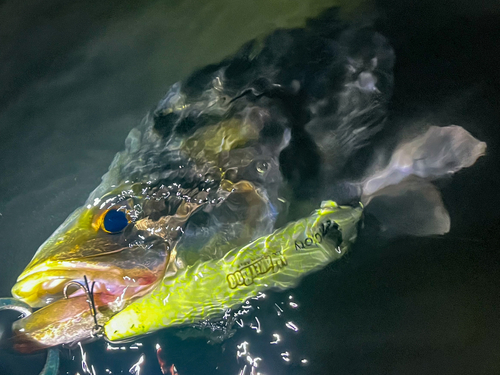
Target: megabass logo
(246, 275)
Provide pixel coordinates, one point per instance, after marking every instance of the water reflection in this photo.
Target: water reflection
(136, 368)
(249, 333)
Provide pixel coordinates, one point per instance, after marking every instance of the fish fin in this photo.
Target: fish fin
(412, 207)
(439, 152)
(400, 195)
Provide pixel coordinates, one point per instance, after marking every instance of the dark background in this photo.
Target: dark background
(76, 77)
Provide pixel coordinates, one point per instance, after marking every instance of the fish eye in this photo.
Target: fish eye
(262, 167)
(114, 221)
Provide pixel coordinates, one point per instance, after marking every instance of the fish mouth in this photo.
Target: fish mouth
(125, 265)
(46, 284)
(60, 288)
(67, 315)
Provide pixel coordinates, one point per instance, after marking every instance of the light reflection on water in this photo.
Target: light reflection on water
(251, 362)
(248, 347)
(136, 368)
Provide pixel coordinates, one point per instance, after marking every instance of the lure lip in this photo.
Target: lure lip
(47, 326)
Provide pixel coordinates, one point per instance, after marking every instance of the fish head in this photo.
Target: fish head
(107, 243)
(103, 241)
(165, 203)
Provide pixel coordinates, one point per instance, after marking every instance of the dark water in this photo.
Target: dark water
(74, 78)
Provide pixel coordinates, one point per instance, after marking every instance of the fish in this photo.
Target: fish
(247, 176)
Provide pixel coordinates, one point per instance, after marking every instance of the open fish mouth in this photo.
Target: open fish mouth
(117, 271)
(42, 288)
(66, 315)
(122, 267)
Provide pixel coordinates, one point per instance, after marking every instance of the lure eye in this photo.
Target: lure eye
(114, 221)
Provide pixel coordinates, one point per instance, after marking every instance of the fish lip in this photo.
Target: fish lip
(42, 282)
(30, 286)
(49, 266)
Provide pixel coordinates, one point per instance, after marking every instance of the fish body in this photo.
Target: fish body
(226, 189)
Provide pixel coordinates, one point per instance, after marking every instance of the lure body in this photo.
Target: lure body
(206, 289)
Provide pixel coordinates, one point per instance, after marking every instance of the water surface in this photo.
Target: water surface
(75, 78)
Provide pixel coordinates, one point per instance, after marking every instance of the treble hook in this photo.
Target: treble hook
(97, 330)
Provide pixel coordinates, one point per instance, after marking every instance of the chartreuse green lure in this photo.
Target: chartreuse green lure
(206, 289)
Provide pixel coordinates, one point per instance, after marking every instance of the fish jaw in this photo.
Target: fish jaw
(41, 288)
(67, 320)
(123, 271)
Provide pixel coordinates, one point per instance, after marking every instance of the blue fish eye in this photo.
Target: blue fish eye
(114, 221)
